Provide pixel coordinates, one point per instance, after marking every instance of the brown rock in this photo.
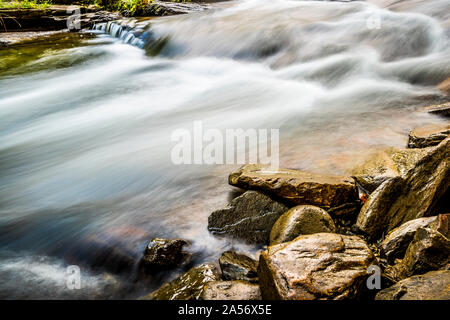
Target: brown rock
(249, 217)
(422, 192)
(188, 286)
(231, 290)
(428, 136)
(315, 266)
(164, 253)
(238, 266)
(398, 240)
(444, 86)
(440, 109)
(434, 285)
(303, 219)
(298, 187)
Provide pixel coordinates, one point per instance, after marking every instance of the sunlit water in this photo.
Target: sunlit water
(86, 122)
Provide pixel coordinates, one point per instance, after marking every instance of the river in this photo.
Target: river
(86, 122)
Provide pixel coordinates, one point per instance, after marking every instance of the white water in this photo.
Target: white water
(85, 149)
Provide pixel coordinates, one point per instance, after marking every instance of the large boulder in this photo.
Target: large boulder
(164, 253)
(298, 187)
(428, 136)
(315, 266)
(303, 219)
(398, 240)
(433, 285)
(421, 192)
(231, 290)
(249, 217)
(238, 266)
(188, 286)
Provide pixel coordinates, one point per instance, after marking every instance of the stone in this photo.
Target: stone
(303, 219)
(398, 240)
(444, 86)
(442, 110)
(166, 8)
(297, 187)
(164, 253)
(428, 251)
(432, 285)
(231, 290)
(428, 136)
(238, 266)
(315, 266)
(249, 217)
(421, 192)
(188, 286)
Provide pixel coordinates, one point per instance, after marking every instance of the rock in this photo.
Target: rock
(163, 253)
(428, 136)
(347, 210)
(315, 266)
(238, 266)
(428, 251)
(249, 217)
(433, 285)
(52, 18)
(444, 86)
(298, 187)
(440, 109)
(397, 241)
(371, 183)
(188, 286)
(165, 8)
(303, 219)
(422, 192)
(231, 290)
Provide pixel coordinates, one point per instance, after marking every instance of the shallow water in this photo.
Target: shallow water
(86, 122)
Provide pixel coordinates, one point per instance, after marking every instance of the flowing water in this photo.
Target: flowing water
(86, 119)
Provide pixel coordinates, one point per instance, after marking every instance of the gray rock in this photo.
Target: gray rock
(433, 285)
(421, 192)
(238, 266)
(231, 290)
(249, 217)
(315, 266)
(303, 219)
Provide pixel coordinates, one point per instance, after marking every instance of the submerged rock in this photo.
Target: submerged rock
(188, 286)
(397, 241)
(164, 253)
(440, 109)
(298, 187)
(422, 192)
(428, 136)
(433, 285)
(231, 290)
(315, 266)
(238, 266)
(249, 217)
(303, 219)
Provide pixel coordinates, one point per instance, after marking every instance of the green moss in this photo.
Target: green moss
(27, 4)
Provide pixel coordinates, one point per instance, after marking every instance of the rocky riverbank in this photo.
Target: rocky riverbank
(326, 237)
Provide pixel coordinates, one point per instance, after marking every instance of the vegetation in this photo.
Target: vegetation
(28, 4)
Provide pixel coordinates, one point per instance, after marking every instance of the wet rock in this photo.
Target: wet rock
(249, 217)
(433, 285)
(52, 18)
(164, 253)
(371, 183)
(444, 86)
(345, 211)
(165, 8)
(231, 290)
(303, 219)
(315, 266)
(298, 187)
(441, 109)
(397, 241)
(188, 286)
(428, 136)
(238, 266)
(422, 192)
